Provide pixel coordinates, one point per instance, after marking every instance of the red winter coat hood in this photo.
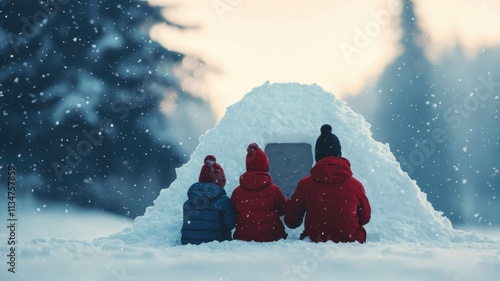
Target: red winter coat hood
(258, 204)
(333, 202)
(255, 180)
(331, 170)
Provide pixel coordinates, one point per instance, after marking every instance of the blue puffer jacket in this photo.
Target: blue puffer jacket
(208, 215)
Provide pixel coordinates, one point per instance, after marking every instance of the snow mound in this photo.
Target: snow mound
(293, 113)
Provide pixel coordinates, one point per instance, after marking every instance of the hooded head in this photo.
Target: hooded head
(256, 159)
(212, 172)
(327, 144)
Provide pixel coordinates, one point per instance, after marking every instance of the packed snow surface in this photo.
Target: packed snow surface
(407, 238)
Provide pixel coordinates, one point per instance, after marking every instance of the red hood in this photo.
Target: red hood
(255, 180)
(331, 170)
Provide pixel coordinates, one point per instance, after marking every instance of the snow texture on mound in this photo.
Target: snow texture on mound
(293, 113)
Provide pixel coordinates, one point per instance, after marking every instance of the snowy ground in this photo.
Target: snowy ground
(407, 238)
(60, 245)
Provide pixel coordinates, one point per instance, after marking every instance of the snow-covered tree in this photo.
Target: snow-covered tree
(444, 147)
(409, 119)
(80, 89)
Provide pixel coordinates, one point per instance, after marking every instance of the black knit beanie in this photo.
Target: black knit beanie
(327, 144)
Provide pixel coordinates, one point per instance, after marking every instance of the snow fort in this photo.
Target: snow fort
(285, 118)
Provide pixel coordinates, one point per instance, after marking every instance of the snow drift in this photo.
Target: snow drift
(293, 113)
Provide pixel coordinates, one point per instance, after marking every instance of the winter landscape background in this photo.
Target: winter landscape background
(408, 239)
(102, 101)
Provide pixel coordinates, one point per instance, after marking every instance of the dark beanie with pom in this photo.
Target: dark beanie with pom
(327, 144)
(212, 172)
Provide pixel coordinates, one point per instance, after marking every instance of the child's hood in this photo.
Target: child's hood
(202, 193)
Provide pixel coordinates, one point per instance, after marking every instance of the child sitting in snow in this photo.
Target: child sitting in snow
(258, 202)
(333, 201)
(208, 213)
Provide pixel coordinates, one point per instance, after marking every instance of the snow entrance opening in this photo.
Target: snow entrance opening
(288, 164)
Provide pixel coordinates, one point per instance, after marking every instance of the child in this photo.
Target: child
(258, 202)
(208, 213)
(333, 202)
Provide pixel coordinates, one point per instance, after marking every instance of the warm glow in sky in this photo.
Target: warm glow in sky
(341, 45)
(473, 25)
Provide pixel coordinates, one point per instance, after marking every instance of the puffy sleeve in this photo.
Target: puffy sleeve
(364, 208)
(228, 214)
(280, 200)
(295, 209)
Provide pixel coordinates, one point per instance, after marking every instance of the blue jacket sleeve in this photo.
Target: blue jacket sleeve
(228, 214)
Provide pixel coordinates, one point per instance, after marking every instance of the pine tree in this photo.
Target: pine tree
(81, 83)
(409, 120)
(446, 148)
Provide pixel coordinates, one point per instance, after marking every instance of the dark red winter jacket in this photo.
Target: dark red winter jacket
(258, 204)
(334, 203)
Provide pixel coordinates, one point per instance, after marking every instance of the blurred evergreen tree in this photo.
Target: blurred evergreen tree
(410, 122)
(80, 89)
(451, 163)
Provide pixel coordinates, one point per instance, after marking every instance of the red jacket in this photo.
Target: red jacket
(258, 204)
(334, 203)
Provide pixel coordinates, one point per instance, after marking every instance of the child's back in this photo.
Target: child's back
(208, 213)
(258, 202)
